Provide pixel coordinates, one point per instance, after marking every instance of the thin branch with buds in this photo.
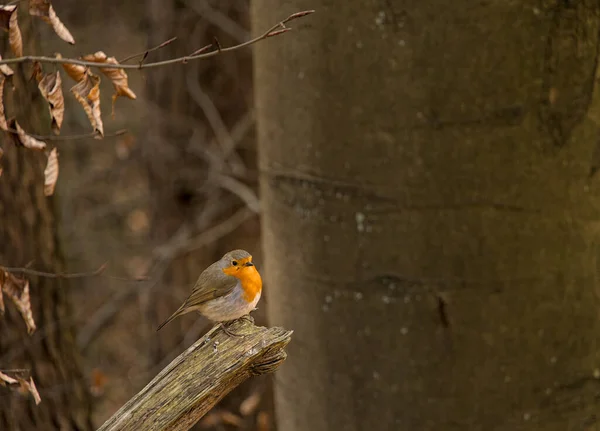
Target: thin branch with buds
(276, 30)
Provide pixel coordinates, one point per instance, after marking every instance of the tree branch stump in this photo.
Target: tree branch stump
(196, 380)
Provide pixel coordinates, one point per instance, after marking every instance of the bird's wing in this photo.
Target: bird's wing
(211, 284)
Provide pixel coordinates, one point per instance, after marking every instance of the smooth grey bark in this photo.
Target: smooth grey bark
(429, 217)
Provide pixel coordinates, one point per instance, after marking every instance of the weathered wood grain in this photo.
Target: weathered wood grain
(198, 378)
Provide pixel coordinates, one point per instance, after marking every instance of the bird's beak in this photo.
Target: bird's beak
(248, 264)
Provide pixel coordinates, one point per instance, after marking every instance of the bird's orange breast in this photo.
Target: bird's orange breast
(251, 282)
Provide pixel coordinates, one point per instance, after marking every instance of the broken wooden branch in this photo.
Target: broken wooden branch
(197, 379)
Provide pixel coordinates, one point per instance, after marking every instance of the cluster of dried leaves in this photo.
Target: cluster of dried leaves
(17, 290)
(86, 90)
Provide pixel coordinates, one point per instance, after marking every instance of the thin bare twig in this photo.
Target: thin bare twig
(28, 271)
(277, 29)
(241, 190)
(211, 112)
(213, 234)
(148, 51)
(219, 19)
(96, 273)
(72, 137)
(17, 370)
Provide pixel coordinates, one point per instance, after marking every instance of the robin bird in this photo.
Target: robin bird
(225, 291)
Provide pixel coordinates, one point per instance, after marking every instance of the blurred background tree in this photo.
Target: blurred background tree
(429, 218)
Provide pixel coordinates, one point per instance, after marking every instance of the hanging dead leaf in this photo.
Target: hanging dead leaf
(5, 69)
(87, 92)
(50, 86)
(75, 71)
(3, 124)
(6, 379)
(22, 138)
(25, 387)
(44, 9)
(9, 22)
(1, 303)
(2, 275)
(118, 77)
(37, 72)
(17, 290)
(28, 387)
(51, 173)
(250, 404)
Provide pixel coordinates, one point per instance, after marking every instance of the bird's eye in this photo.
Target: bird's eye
(234, 263)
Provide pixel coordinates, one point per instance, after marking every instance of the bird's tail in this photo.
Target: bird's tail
(174, 315)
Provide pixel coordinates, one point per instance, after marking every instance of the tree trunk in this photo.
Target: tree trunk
(429, 217)
(29, 235)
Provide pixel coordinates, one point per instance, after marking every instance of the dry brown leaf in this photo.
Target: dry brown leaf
(5, 379)
(50, 86)
(3, 124)
(2, 274)
(5, 69)
(37, 71)
(75, 71)
(17, 290)
(24, 139)
(44, 9)
(24, 387)
(29, 387)
(250, 404)
(87, 92)
(51, 173)
(9, 22)
(1, 303)
(118, 77)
